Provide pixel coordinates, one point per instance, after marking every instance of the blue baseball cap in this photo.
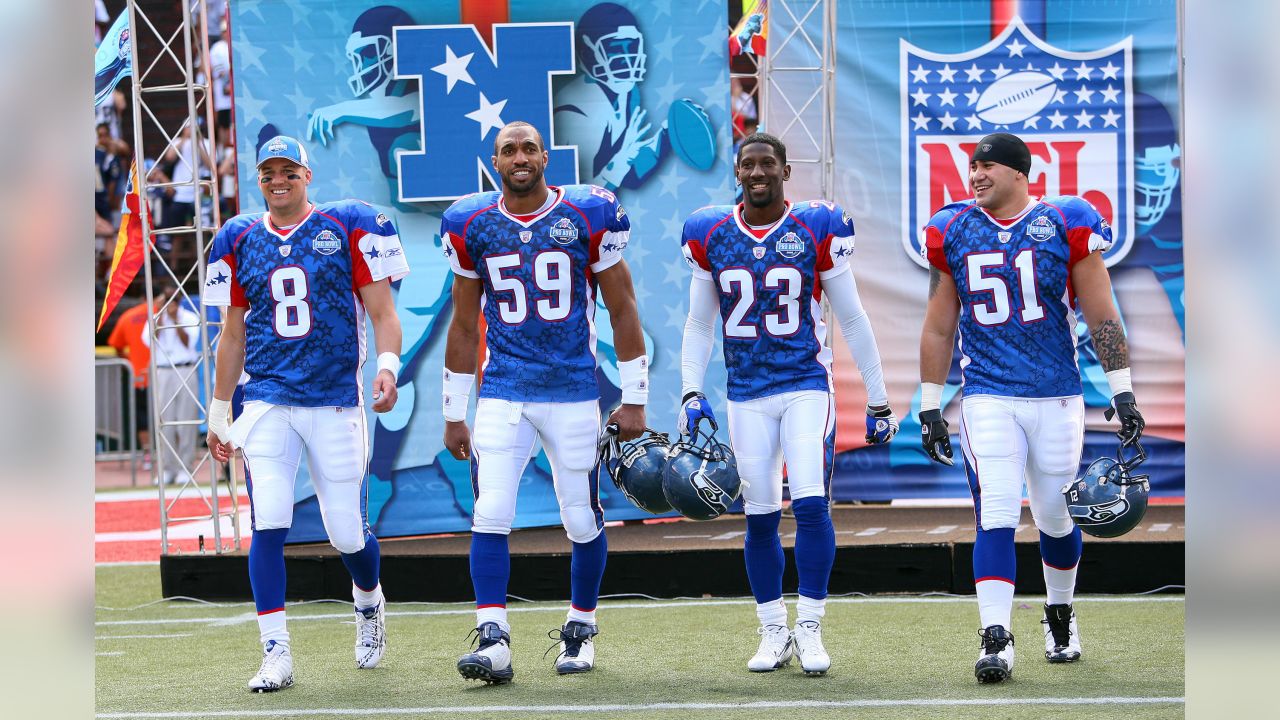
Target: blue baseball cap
(283, 146)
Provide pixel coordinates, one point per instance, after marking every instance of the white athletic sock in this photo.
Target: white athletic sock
(772, 613)
(1060, 585)
(272, 627)
(365, 600)
(809, 609)
(995, 603)
(494, 615)
(582, 616)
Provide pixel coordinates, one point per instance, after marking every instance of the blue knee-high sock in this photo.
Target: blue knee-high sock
(763, 553)
(993, 556)
(815, 545)
(490, 568)
(365, 565)
(266, 568)
(586, 569)
(1062, 553)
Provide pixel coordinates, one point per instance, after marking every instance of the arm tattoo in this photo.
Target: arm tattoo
(935, 279)
(1113, 349)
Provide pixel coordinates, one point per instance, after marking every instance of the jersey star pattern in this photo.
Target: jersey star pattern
(305, 329)
(539, 289)
(1017, 309)
(770, 286)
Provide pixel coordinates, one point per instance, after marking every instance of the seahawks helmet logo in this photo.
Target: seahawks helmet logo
(1101, 513)
(710, 493)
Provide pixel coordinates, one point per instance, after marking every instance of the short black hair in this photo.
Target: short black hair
(765, 139)
(101, 125)
(514, 124)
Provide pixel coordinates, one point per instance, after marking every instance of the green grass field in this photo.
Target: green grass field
(891, 658)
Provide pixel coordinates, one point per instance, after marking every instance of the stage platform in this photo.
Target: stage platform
(880, 549)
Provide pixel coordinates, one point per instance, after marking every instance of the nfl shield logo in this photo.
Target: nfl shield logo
(526, 236)
(758, 251)
(1073, 109)
(284, 250)
(1004, 236)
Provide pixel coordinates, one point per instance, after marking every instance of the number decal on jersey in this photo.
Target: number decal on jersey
(996, 309)
(783, 321)
(292, 314)
(602, 193)
(551, 275)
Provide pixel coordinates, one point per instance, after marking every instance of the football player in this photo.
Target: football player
(533, 258)
(310, 273)
(1010, 268)
(765, 266)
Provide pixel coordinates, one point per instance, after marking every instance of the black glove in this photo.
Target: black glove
(934, 436)
(1131, 423)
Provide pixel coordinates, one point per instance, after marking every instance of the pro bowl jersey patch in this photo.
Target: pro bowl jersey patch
(1073, 109)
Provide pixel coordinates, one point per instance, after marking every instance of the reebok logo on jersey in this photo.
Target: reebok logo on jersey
(326, 243)
(789, 245)
(381, 219)
(564, 232)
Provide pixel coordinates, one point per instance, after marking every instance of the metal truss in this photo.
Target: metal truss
(797, 97)
(165, 54)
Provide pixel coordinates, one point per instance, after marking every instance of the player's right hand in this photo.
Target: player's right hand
(934, 436)
(695, 409)
(1131, 423)
(320, 125)
(457, 439)
(221, 451)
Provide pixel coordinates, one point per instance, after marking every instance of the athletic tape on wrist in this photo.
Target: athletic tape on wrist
(219, 414)
(930, 396)
(634, 375)
(457, 394)
(1120, 381)
(389, 361)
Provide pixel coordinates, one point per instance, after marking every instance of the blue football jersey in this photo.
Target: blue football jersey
(304, 331)
(770, 285)
(539, 290)
(1013, 277)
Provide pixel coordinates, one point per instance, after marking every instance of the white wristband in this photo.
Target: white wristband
(389, 361)
(457, 395)
(635, 380)
(930, 396)
(219, 414)
(1120, 381)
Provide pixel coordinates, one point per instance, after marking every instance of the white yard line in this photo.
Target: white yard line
(139, 637)
(485, 710)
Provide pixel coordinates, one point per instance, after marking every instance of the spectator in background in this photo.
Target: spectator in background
(110, 113)
(744, 108)
(227, 173)
(128, 339)
(109, 186)
(176, 349)
(182, 154)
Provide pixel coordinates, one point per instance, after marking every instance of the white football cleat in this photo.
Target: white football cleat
(276, 672)
(814, 659)
(995, 662)
(776, 649)
(491, 662)
(1061, 636)
(577, 650)
(371, 635)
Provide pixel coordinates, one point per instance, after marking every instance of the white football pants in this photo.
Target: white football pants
(504, 438)
(1005, 440)
(798, 427)
(336, 441)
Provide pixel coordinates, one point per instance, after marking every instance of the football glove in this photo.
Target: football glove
(1131, 423)
(934, 436)
(882, 425)
(695, 409)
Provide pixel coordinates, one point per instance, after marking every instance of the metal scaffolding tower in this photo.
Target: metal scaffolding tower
(166, 61)
(797, 95)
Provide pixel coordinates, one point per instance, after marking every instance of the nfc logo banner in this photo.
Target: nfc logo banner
(468, 92)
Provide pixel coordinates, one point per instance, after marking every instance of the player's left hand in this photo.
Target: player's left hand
(221, 451)
(1131, 423)
(320, 126)
(384, 391)
(630, 421)
(882, 425)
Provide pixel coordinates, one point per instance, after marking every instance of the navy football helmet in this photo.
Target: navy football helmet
(636, 467)
(700, 479)
(369, 47)
(610, 45)
(1109, 500)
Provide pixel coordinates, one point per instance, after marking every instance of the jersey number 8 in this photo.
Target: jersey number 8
(292, 315)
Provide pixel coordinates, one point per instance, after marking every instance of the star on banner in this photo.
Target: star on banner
(972, 96)
(1109, 118)
(1015, 48)
(1083, 118)
(974, 72)
(921, 121)
(974, 123)
(1057, 120)
(454, 69)
(948, 122)
(1058, 72)
(920, 74)
(1084, 95)
(1110, 95)
(920, 97)
(946, 74)
(1001, 71)
(1083, 71)
(1109, 71)
(489, 115)
(946, 97)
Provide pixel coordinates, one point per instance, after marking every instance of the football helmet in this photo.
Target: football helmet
(610, 46)
(369, 47)
(1157, 163)
(700, 479)
(1109, 500)
(636, 467)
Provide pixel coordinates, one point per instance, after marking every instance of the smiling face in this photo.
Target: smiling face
(997, 187)
(284, 187)
(520, 159)
(761, 173)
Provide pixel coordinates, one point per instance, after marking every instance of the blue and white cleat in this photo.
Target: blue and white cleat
(577, 650)
(491, 662)
(276, 672)
(995, 662)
